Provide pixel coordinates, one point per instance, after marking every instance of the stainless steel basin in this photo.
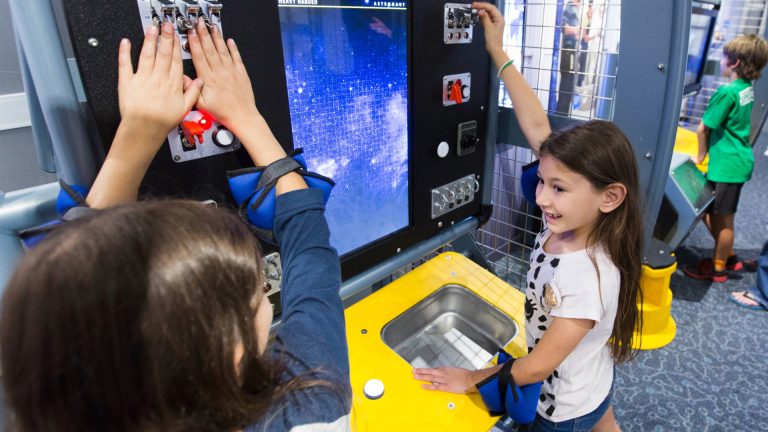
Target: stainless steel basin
(451, 327)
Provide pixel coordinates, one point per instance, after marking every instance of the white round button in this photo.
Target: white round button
(223, 137)
(373, 389)
(442, 149)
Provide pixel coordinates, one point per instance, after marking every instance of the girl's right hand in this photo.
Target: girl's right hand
(227, 94)
(493, 25)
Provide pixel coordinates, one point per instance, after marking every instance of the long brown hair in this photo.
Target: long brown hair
(129, 319)
(600, 152)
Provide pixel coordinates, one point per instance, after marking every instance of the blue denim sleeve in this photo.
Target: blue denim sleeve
(312, 325)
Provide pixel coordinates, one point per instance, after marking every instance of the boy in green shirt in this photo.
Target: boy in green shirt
(724, 133)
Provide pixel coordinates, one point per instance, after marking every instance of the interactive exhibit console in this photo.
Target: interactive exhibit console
(396, 117)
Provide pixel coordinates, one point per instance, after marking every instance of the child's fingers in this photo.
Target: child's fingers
(430, 386)
(165, 49)
(187, 82)
(124, 63)
(198, 56)
(147, 56)
(177, 68)
(211, 54)
(235, 53)
(427, 374)
(218, 42)
(192, 93)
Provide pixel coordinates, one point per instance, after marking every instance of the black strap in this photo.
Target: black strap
(277, 169)
(75, 195)
(505, 378)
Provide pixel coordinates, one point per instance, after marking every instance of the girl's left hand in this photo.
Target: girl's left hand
(156, 97)
(448, 379)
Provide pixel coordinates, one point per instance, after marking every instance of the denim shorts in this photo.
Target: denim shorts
(584, 423)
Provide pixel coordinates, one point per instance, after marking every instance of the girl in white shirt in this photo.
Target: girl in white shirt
(583, 283)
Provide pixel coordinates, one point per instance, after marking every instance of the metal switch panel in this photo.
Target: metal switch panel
(273, 272)
(454, 195)
(459, 20)
(183, 14)
(199, 136)
(457, 89)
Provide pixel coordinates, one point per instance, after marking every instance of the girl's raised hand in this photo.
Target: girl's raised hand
(493, 25)
(155, 98)
(227, 93)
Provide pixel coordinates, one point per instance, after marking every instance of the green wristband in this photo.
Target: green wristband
(504, 66)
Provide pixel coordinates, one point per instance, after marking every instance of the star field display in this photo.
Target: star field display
(346, 70)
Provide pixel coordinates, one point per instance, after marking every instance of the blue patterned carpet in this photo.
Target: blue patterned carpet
(714, 375)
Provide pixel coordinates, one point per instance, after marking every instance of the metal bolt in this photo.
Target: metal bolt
(364, 331)
(93, 42)
(453, 273)
(451, 405)
(439, 224)
(649, 156)
(482, 107)
(660, 66)
(177, 158)
(399, 250)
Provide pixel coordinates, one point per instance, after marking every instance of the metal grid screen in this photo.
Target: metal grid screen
(568, 50)
(736, 17)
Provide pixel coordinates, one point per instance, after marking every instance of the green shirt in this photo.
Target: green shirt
(727, 115)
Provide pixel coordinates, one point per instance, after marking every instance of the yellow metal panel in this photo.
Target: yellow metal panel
(405, 406)
(687, 143)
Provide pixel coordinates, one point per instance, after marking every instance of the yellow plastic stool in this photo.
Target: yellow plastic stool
(658, 326)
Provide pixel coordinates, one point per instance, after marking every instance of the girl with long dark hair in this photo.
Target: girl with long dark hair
(153, 316)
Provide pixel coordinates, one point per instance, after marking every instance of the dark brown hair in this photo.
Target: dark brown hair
(128, 320)
(751, 50)
(600, 152)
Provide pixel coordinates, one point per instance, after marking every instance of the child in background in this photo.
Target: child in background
(153, 316)
(583, 284)
(724, 134)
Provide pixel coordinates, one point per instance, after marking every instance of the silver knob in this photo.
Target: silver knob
(223, 137)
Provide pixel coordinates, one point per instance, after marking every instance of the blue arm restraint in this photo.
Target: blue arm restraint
(70, 196)
(254, 188)
(502, 396)
(529, 180)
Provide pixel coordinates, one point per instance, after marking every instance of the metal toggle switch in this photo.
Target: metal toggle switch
(211, 12)
(188, 12)
(163, 11)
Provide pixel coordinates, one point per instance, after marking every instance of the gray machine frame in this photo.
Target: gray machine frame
(653, 46)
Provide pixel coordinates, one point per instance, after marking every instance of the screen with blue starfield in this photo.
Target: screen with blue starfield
(347, 73)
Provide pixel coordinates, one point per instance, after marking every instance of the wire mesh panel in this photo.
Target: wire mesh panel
(736, 17)
(568, 52)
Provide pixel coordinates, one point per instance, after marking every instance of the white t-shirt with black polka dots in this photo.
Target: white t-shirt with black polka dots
(582, 381)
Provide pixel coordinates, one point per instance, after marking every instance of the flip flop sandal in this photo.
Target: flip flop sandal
(746, 294)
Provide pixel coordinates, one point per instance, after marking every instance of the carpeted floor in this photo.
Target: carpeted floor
(714, 375)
